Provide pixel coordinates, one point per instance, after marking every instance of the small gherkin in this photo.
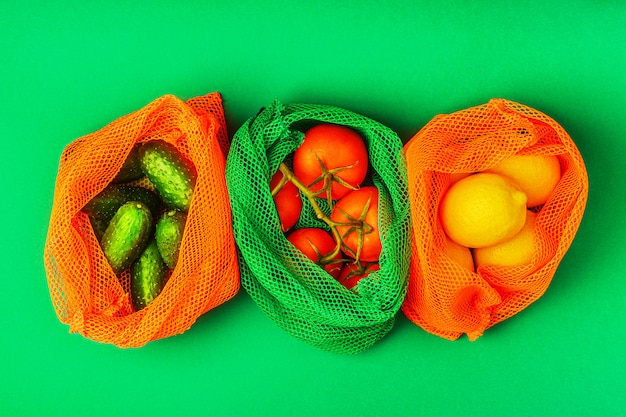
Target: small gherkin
(148, 276)
(169, 235)
(173, 175)
(131, 169)
(127, 235)
(106, 203)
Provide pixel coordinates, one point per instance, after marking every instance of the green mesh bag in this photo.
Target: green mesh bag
(297, 294)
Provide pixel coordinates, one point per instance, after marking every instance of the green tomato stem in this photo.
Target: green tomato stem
(353, 224)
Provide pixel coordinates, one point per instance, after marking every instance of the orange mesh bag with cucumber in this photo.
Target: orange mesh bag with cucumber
(140, 239)
(497, 192)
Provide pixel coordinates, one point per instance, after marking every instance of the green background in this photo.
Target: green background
(68, 68)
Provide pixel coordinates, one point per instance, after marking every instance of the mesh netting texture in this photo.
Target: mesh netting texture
(444, 298)
(296, 293)
(85, 292)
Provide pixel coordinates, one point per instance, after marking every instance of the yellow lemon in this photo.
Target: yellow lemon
(460, 254)
(516, 251)
(535, 175)
(481, 210)
(458, 176)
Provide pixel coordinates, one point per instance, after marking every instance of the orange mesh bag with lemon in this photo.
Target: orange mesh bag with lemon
(497, 193)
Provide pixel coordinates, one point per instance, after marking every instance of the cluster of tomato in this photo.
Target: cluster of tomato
(331, 164)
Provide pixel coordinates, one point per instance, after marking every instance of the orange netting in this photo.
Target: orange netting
(443, 297)
(85, 292)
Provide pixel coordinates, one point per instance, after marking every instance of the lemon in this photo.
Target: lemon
(535, 175)
(514, 252)
(454, 177)
(460, 254)
(483, 209)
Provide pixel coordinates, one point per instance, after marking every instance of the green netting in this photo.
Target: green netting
(293, 291)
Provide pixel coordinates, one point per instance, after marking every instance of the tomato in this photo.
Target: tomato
(360, 206)
(353, 272)
(332, 151)
(288, 202)
(316, 243)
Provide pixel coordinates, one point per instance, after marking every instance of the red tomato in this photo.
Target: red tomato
(335, 149)
(352, 273)
(288, 202)
(315, 243)
(359, 205)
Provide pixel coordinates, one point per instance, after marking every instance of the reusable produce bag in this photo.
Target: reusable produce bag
(292, 290)
(85, 292)
(443, 297)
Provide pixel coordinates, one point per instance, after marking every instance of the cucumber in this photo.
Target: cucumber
(98, 225)
(148, 276)
(131, 169)
(108, 201)
(173, 176)
(127, 235)
(169, 234)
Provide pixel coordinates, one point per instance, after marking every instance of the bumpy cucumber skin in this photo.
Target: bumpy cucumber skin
(131, 169)
(108, 201)
(148, 276)
(173, 176)
(127, 235)
(169, 234)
